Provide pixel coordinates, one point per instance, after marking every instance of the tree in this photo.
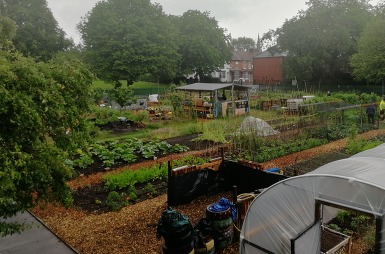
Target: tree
(38, 34)
(321, 40)
(203, 45)
(369, 61)
(125, 39)
(7, 30)
(124, 96)
(41, 108)
(243, 44)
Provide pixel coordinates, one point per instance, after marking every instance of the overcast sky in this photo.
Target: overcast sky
(240, 17)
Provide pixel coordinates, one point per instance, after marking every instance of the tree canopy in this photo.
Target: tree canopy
(125, 39)
(320, 40)
(41, 108)
(37, 34)
(243, 44)
(369, 61)
(203, 45)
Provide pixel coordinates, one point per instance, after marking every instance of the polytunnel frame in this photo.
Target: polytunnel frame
(320, 200)
(379, 217)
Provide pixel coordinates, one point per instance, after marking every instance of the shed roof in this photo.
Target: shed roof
(209, 87)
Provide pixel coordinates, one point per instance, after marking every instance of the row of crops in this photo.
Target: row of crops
(128, 150)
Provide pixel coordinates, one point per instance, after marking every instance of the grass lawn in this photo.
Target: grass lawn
(141, 88)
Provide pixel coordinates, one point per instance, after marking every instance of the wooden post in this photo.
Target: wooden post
(222, 154)
(317, 212)
(235, 202)
(169, 184)
(350, 243)
(235, 194)
(378, 235)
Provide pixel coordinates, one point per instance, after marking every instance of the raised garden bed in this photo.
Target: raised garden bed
(333, 241)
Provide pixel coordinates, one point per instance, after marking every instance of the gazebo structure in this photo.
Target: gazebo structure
(213, 100)
(289, 216)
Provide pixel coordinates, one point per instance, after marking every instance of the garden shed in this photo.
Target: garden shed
(216, 99)
(288, 216)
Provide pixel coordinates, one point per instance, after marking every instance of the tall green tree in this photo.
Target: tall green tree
(125, 39)
(320, 40)
(243, 44)
(369, 61)
(203, 45)
(38, 34)
(41, 109)
(7, 31)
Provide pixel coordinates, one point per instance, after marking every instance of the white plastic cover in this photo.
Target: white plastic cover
(256, 126)
(286, 209)
(153, 97)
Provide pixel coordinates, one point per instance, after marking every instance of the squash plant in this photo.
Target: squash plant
(127, 150)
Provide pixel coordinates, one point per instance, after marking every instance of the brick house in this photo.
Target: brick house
(267, 67)
(241, 66)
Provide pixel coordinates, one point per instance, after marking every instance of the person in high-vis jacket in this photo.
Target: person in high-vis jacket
(382, 108)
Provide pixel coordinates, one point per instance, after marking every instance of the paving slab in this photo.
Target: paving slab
(38, 239)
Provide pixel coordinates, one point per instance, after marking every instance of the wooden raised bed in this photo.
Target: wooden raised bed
(333, 241)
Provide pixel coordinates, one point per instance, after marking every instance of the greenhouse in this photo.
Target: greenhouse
(288, 217)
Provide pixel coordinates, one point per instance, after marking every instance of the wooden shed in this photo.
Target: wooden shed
(213, 100)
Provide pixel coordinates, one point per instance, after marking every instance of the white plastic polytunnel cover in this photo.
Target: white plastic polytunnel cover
(287, 216)
(256, 126)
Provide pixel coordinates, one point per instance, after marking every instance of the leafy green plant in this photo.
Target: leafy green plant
(83, 161)
(128, 178)
(127, 150)
(263, 150)
(352, 223)
(177, 148)
(334, 227)
(115, 201)
(131, 194)
(370, 238)
(358, 145)
(151, 190)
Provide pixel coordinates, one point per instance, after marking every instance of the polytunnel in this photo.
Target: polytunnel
(288, 216)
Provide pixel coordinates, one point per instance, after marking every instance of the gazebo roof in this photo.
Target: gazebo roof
(209, 87)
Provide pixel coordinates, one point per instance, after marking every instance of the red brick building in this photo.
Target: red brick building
(267, 68)
(241, 66)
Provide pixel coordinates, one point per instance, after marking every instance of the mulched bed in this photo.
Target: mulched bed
(92, 199)
(133, 229)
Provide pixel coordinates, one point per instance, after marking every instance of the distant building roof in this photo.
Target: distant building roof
(209, 87)
(242, 56)
(270, 53)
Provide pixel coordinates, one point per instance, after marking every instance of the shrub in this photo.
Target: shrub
(358, 145)
(115, 201)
